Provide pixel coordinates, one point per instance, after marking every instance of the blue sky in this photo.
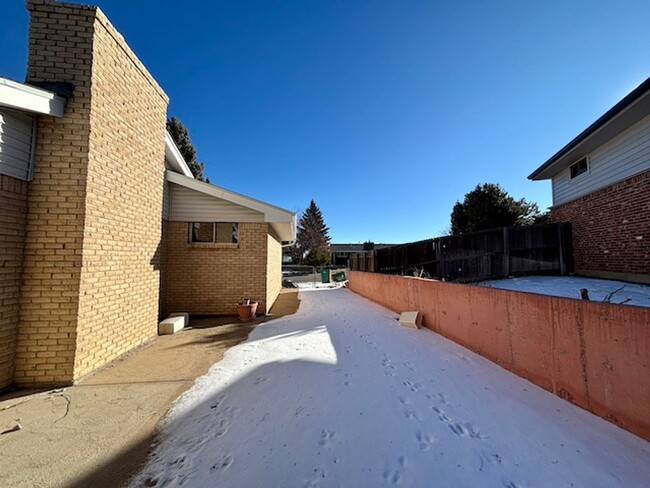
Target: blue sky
(384, 112)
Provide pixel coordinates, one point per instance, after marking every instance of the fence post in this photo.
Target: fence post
(442, 260)
(506, 253)
(560, 236)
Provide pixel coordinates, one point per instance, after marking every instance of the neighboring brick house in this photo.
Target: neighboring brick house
(601, 185)
(86, 225)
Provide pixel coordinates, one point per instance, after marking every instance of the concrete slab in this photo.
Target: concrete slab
(98, 433)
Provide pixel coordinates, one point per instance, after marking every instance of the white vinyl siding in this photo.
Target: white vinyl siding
(166, 201)
(188, 205)
(626, 155)
(16, 143)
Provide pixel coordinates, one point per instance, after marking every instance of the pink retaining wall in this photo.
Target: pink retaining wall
(593, 354)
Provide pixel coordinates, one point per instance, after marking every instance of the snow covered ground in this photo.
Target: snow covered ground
(340, 395)
(569, 286)
(315, 285)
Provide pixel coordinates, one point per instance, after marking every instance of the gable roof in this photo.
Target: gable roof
(282, 221)
(627, 112)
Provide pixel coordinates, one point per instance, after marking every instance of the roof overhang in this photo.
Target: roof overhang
(19, 96)
(282, 221)
(634, 107)
(174, 159)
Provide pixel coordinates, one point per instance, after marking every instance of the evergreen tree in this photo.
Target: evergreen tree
(182, 139)
(489, 206)
(312, 240)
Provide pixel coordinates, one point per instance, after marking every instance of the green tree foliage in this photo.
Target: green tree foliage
(542, 218)
(312, 240)
(182, 139)
(489, 206)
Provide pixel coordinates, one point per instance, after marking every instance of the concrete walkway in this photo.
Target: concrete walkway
(339, 395)
(98, 433)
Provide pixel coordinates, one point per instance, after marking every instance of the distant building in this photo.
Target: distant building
(340, 253)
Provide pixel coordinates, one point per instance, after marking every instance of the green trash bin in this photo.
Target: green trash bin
(325, 275)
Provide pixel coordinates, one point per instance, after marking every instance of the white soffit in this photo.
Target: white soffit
(19, 96)
(281, 220)
(174, 159)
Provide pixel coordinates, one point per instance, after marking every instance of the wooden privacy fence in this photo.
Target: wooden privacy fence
(490, 254)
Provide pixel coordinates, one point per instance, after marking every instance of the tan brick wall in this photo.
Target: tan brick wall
(210, 279)
(118, 308)
(273, 269)
(13, 220)
(60, 49)
(91, 272)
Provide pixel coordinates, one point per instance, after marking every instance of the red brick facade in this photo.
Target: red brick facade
(611, 229)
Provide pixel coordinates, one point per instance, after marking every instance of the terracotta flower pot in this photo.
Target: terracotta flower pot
(246, 311)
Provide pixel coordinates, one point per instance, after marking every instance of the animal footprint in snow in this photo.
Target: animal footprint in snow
(315, 479)
(415, 387)
(425, 440)
(411, 415)
(390, 374)
(392, 476)
(325, 437)
(218, 402)
(441, 414)
(466, 430)
(223, 463)
(458, 429)
(348, 349)
(222, 420)
(347, 382)
(221, 427)
(260, 380)
(404, 401)
(489, 458)
(409, 365)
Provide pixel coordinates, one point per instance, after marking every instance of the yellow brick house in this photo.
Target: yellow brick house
(103, 230)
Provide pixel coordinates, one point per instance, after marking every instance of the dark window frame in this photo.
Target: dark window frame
(579, 167)
(234, 239)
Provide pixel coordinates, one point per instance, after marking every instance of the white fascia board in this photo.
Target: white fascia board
(174, 157)
(286, 231)
(272, 214)
(19, 96)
